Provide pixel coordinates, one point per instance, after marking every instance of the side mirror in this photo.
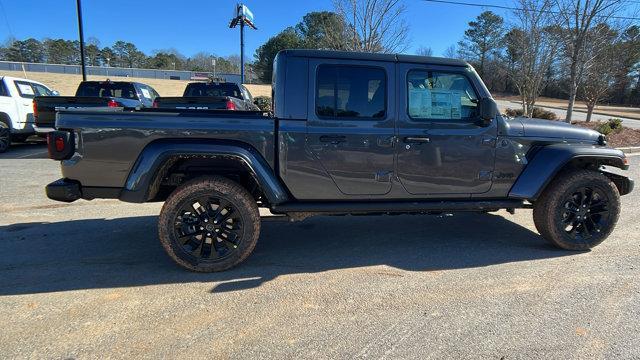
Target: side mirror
(488, 110)
(55, 93)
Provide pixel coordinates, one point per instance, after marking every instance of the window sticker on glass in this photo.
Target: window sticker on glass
(25, 89)
(445, 104)
(420, 103)
(145, 93)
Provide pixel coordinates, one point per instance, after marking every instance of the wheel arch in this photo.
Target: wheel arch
(552, 160)
(158, 158)
(5, 118)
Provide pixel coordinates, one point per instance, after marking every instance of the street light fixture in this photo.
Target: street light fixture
(242, 15)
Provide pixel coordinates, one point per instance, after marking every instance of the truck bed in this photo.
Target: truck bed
(112, 138)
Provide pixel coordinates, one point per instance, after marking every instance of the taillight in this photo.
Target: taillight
(113, 103)
(61, 145)
(230, 105)
(35, 109)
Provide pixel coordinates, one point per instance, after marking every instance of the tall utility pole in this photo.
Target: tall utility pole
(242, 16)
(81, 32)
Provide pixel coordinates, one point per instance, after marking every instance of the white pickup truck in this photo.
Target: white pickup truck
(16, 108)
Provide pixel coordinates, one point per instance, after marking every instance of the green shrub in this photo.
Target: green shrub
(538, 113)
(615, 123)
(612, 125)
(263, 102)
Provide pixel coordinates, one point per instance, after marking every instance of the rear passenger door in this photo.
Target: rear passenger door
(444, 149)
(350, 125)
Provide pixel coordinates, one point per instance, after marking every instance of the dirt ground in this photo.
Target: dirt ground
(67, 84)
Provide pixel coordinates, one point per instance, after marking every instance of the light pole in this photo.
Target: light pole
(81, 33)
(243, 16)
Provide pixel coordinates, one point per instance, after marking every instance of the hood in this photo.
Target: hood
(553, 129)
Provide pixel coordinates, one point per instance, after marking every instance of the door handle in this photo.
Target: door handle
(416, 139)
(334, 139)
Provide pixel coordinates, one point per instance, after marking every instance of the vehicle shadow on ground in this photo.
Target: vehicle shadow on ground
(100, 253)
(32, 149)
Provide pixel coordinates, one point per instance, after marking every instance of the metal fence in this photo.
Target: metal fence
(111, 71)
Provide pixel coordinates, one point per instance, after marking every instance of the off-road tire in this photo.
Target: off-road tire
(5, 136)
(598, 209)
(243, 207)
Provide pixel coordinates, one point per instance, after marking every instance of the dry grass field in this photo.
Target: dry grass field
(615, 111)
(67, 84)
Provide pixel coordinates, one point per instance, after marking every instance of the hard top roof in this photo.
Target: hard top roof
(331, 54)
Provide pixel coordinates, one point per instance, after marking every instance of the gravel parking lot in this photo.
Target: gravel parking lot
(90, 280)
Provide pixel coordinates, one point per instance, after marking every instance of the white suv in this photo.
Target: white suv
(16, 108)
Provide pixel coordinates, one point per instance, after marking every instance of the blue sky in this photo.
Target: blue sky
(194, 25)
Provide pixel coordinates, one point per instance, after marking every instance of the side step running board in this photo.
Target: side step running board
(396, 206)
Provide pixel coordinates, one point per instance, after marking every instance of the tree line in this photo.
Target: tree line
(567, 49)
(120, 54)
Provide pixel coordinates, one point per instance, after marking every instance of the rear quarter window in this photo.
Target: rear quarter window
(107, 89)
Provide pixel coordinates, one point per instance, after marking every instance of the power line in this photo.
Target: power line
(6, 19)
(515, 8)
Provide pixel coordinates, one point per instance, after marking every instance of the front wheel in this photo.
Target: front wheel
(578, 210)
(209, 224)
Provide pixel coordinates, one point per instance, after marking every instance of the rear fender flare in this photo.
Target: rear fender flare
(551, 159)
(142, 182)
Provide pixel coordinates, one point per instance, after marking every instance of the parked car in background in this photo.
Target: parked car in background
(16, 109)
(117, 94)
(212, 95)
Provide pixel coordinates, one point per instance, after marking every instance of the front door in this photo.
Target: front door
(443, 148)
(351, 124)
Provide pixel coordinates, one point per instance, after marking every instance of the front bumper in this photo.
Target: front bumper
(64, 190)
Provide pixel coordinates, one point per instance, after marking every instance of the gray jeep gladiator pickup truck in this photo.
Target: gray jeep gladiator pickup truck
(351, 133)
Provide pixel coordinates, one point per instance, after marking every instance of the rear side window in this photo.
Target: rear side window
(148, 92)
(107, 89)
(440, 95)
(25, 90)
(351, 92)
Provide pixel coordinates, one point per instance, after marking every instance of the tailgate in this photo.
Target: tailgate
(45, 107)
(192, 102)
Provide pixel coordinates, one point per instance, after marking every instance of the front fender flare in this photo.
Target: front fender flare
(146, 168)
(549, 160)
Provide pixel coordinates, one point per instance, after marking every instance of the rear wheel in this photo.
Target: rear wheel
(578, 210)
(5, 136)
(209, 224)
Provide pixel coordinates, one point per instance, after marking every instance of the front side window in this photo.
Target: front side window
(41, 90)
(440, 95)
(351, 92)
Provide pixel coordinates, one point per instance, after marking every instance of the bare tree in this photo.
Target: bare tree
(531, 47)
(375, 25)
(579, 20)
(452, 52)
(424, 51)
(599, 76)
